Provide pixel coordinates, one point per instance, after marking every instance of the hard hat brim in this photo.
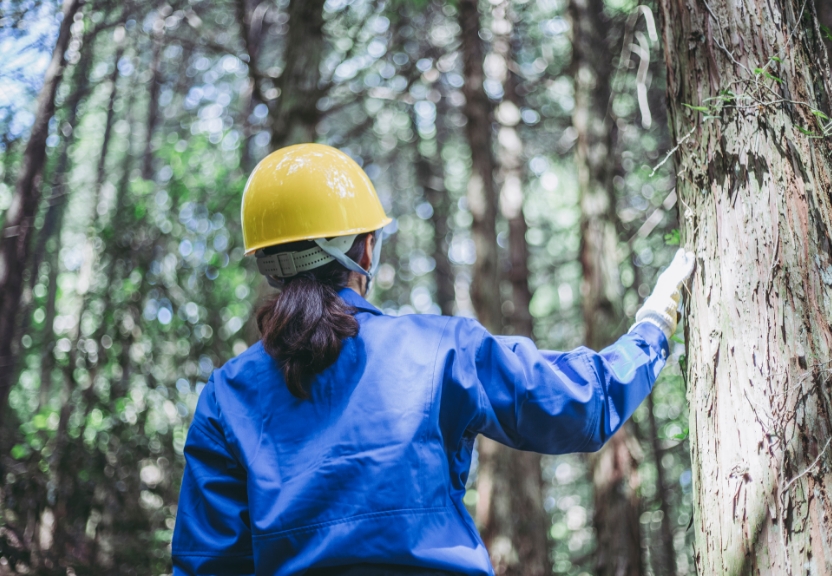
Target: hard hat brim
(301, 238)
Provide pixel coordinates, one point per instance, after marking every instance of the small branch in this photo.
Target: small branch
(809, 469)
(672, 151)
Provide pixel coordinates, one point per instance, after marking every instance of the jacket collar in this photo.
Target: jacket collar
(352, 298)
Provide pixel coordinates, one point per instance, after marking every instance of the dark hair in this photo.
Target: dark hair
(304, 325)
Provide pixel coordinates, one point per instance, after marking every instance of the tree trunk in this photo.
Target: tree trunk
(512, 173)
(614, 468)
(429, 178)
(14, 243)
(155, 89)
(509, 492)
(295, 115)
(52, 223)
(663, 556)
(482, 196)
(754, 196)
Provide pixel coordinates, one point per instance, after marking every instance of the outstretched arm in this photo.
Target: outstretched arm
(558, 402)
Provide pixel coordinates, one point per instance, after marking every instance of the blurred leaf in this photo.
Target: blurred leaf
(20, 451)
(820, 114)
(683, 435)
(673, 238)
(697, 108)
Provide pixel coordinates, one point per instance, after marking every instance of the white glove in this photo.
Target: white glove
(660, 307)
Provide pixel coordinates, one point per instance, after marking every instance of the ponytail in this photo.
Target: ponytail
(304, 325)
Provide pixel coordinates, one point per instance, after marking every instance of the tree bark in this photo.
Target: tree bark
(755, 207)
(295, 115)
(614, 468)
(14, 244)
(510, 500)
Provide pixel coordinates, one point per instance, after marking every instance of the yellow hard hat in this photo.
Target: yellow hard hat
(308, 191)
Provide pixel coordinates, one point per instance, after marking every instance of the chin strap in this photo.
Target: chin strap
(288, 264)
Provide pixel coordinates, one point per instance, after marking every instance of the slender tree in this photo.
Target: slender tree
(614, 469)
(511, 173)
(663, 556)
(157, 43)
(482, 195)
(429, 177)
(508, 482)
(295, 114)
(754, 158)
(17, 227)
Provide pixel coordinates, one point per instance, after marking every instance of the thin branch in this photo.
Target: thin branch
(672, 151)
(809, 469)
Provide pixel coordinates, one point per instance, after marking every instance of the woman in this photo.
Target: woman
(341, 442)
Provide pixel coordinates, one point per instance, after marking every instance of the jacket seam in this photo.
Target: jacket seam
(257, 375)
(481, 389)
(428, 403)
(598, 385)
(366, 516)
(249, 554)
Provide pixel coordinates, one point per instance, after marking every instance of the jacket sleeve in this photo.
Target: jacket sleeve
(212, 533)
(555, 402)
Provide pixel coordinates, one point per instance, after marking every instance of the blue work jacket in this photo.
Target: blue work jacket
(372, 467)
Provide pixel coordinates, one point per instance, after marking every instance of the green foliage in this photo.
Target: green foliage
(697, 108)
(673, 238)
(767, 74)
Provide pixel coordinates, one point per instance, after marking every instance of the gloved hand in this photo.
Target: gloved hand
(660, 307)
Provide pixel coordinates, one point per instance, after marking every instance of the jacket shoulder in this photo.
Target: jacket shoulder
(254, 360)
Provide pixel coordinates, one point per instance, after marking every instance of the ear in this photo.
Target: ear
(366, 259)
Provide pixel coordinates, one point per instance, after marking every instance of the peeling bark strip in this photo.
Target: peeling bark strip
(14, 240)
(755, 207)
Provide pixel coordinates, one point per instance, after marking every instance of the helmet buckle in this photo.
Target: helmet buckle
(286, 263)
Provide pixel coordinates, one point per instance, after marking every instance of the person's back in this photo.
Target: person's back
(341, 443)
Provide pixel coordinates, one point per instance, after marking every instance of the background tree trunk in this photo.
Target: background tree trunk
(429, 176)
(156, 39)
(663, 556)
(614, 469)
(295, 114)
(482, 196)
(754, 195)
(512, 172)
(510, 501)
(14, 243)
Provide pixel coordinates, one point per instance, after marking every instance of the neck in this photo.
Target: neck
(358, 282)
